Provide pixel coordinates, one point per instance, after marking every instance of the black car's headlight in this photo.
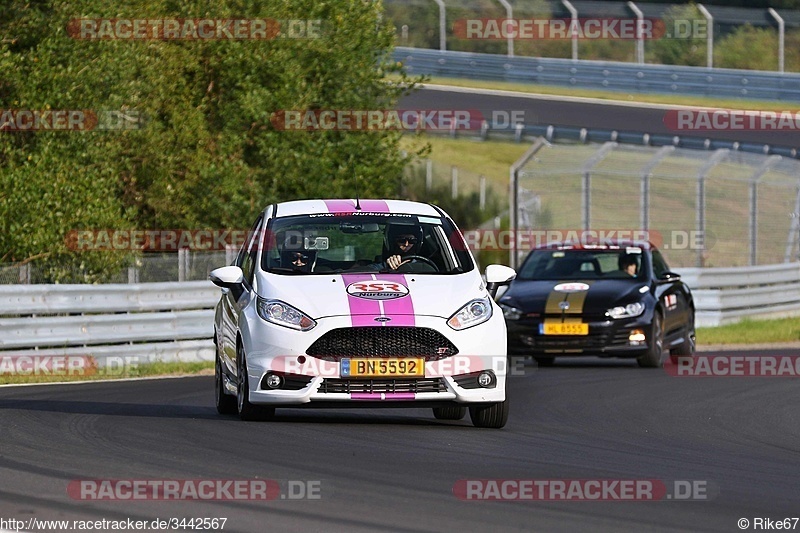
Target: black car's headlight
(283, 314)
(474, 313)
(626, 311)
(510, 312)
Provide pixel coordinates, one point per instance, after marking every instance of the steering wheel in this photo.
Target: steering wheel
(420, 258)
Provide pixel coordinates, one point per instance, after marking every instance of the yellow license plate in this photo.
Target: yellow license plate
(565, 328)
(383, 367)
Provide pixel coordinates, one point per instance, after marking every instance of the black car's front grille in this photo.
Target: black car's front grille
(333, 385)
(571, 342)
(382, 341)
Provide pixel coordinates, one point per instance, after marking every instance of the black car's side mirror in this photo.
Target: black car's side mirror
(669, 276)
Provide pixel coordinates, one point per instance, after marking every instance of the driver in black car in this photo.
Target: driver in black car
(401, 241)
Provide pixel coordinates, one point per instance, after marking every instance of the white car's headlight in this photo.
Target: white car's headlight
(510, 312)
(472, 314)
(627, 311)
(283, 314)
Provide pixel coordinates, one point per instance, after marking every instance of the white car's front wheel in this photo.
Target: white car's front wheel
(247, 411)
(489, 415)
(226, 404)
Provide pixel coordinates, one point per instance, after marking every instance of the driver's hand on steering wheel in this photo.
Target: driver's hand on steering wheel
(395, 261)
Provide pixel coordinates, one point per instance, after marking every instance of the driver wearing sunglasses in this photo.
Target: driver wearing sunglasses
(405, 244)
(401, 244)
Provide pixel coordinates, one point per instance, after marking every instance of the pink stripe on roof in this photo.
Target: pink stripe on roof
(348, 206)
(340, 206)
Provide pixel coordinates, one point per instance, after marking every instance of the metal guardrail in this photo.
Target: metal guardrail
(173, 321)
(152, 322)
(726, 295)
(608, 75)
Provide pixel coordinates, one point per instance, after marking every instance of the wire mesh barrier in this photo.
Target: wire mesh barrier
(183, 265)
(719, 208)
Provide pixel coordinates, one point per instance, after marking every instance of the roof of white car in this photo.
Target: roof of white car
(308, 207)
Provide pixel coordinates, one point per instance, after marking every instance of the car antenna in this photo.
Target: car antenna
(358, 205)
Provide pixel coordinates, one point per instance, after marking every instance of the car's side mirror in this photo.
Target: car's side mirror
(230, 278)
(497, 275)
(669, 276)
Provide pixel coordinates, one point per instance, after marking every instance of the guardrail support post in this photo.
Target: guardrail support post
(781, 37)
(509, 18)
(639, 32)
(710, 36)
(454, 182)
(442, 25)
(573, 27)
(482, 192)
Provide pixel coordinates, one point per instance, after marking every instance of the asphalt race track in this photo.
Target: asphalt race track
(395, 470)
(583, 113)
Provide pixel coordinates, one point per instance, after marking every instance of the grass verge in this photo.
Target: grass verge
(97, 374)
(752, 332)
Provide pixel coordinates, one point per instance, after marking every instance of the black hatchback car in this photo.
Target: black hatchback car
(617, 299)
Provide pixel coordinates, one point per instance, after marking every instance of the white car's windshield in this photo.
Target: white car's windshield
(326, 243)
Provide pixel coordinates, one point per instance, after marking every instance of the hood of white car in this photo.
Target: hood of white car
(390, 298)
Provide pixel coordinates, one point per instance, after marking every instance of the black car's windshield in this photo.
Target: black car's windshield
(575, 264)
(330, 243)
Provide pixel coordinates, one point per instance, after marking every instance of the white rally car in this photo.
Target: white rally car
(316, 312)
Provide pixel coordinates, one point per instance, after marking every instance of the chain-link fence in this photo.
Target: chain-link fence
(705, 208)
(183, 265)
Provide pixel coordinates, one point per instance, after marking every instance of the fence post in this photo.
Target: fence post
(483, 192)
(428, 175)
(133, 275)
(25, 274)
(454, 182)
(230, 254)
(182, 253)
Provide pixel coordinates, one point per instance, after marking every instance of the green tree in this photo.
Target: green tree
(207, 155)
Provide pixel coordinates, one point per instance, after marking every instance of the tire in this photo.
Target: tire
(489, 415)
(545, 361)
(226, 404)
(687, 347)
(654, 357)
(455, 412)
(246, 410)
